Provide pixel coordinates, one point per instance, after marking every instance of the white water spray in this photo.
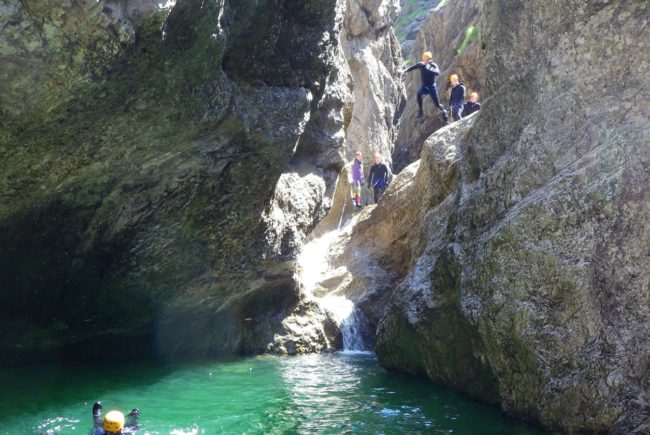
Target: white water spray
(315, 267)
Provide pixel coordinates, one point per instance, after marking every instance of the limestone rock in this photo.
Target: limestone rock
(134, 181)
(373, 57)
(161, 166)
(451, 32)
(412, 16)
(357, 111)
(526, 283)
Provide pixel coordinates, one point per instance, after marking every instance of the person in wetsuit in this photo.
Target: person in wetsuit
(355, 178)
(472, 105)
(114, 422)
(428, 73)
(457, 97)
(379, 177)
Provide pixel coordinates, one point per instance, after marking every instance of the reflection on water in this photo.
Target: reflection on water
(334, 393)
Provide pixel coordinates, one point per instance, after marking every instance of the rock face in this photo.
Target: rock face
(151, 161)
(411, 18)
(451, 32)
(358, 112)
(526, 263)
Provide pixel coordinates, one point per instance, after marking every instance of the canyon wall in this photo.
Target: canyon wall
(161, 166)
(523, 272)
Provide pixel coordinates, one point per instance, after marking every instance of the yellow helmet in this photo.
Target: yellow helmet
(428, 55)
(114, 421)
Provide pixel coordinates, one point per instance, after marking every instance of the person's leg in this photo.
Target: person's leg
(455, 112)
(436, 102)
(434, 95)
(357, 193)
(376, 192)
(422, 91)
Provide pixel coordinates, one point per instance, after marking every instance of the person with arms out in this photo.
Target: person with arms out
(457, 98)
(355, 178)
(379, 177)
(472, 105)
(428, 73)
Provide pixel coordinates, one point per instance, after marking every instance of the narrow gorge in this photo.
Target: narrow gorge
(173, 188)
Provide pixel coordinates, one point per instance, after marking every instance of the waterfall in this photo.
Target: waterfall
(314, 265)
(352, 329)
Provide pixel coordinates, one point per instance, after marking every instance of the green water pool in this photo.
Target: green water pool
(331, 393)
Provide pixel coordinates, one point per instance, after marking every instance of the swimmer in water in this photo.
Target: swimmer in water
(114, 422)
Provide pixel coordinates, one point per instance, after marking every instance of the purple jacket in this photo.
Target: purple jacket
(357, 172)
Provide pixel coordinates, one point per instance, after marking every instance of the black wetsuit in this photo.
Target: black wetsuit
(470, 108)
(379, 178)
(428, 73)
(456, 100)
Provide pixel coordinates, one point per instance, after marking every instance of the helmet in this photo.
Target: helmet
(114, 421)
(427, 54)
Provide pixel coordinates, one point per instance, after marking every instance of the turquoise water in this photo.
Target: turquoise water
(334, 393)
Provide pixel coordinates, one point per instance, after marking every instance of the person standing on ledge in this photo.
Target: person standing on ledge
(355, 178)
(428, 73)
(379, 177)
(472, 105)
(457, 98)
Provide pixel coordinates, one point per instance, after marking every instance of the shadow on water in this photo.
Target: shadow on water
(28, 390)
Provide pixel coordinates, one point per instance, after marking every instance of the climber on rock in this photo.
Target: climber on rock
(472, 105)
(457, 97)
(428, 73)
(355, 178)
(379, 177)
(114, 422)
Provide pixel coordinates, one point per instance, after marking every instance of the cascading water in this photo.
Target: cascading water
(352, 329)
(314, 266)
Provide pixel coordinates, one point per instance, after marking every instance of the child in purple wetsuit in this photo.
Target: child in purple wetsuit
(355, 178)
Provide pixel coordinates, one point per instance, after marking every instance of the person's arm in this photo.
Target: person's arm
(132, 419)
(462, 93)
(413, 67)
(98, 422)
(371, 176)
(434, 68)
